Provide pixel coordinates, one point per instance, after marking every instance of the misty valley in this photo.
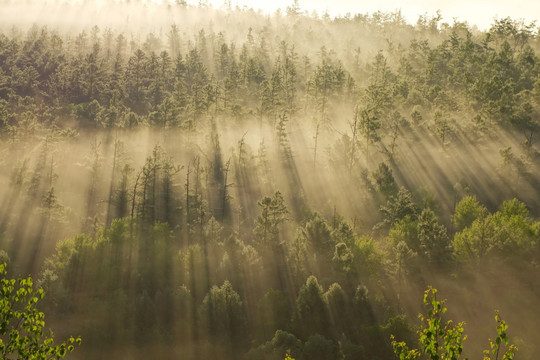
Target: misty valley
(194, 182)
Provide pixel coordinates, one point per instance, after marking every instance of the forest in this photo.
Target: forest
(196, 182)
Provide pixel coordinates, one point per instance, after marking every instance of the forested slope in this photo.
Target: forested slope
(226, 183)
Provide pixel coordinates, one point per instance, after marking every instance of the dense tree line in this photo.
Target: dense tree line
(201, 196)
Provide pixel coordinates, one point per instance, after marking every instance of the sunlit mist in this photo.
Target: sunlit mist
(257, 180)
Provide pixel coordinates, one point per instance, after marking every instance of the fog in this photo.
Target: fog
(145, 148)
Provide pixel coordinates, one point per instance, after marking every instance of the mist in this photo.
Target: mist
(194, 182)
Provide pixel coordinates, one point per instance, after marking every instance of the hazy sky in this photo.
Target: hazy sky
(479, 12)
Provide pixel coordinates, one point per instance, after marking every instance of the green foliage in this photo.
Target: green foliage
(310, 301)
(337, 87)
(467, 211)
(405, 260)
(338, 308)
(513, 208)
(399, 327)
(349, 350)
(223, 314)
(367, 258)
(282, 344)
(22, 324)
(343, 258)
(508, 233)
(385, 180)
(435, 245)
(326, 83)
(317, 347)
(273, 313)
(398, 207)
(405, 230)
(318, 234)
(273, 213)
(440, 340)
(496, 352)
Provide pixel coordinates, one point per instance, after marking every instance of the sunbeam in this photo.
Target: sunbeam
(234, 180)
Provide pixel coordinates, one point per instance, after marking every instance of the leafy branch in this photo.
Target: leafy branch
(441, 340)
(22, 324)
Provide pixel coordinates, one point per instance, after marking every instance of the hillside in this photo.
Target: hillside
(222, 183)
